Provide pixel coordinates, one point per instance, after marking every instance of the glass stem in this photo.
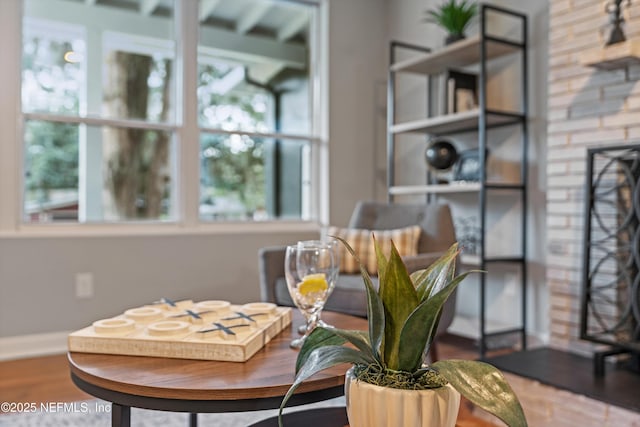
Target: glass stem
(312, 321)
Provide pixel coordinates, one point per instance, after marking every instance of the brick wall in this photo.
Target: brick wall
(586, 108)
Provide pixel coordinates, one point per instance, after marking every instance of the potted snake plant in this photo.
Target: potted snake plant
(453, 17)
(389, 384)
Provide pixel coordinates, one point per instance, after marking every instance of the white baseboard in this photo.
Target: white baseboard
(22, 346)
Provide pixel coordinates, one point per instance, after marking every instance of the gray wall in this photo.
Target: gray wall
(357, 120)
(37, 289)
(38, 275)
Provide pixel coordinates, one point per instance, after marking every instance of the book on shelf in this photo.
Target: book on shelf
(461, 92)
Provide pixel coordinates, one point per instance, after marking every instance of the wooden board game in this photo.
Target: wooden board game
(207, 330)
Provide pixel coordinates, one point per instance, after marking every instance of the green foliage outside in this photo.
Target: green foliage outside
(51, 149)
(51, 158)
(232, 166)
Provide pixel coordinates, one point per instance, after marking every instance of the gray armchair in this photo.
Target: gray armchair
(349, 296)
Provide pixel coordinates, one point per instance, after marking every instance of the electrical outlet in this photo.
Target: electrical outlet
(84, 285)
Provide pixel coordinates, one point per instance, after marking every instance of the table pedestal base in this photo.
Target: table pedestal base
(320, 417)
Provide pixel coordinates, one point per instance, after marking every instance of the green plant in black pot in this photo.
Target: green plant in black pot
(453, 17)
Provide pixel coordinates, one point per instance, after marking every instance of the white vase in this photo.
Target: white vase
(370, 405)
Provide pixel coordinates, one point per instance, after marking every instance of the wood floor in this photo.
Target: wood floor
(46, 379)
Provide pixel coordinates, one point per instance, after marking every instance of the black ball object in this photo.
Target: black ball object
(441, 154)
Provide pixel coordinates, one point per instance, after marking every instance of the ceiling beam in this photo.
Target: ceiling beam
(251, 17)
(206, 8)
(293, 26)
(264, 72)
(148, 6)
(250, 49)
(226, 84)
(243, 48)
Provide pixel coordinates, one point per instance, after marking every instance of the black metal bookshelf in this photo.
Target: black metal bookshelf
(477, 51)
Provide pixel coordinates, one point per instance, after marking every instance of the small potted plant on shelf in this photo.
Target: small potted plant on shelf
(453, 17)
(389, 384)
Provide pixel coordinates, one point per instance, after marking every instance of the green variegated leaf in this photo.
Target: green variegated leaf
(321, 337)
(437, 275)
(485, 386)
(419, 276)
(420, 327)
(434, 331)
(360, 340)
(375, 309)
(381, 260)
(399, 299)
(320, 359)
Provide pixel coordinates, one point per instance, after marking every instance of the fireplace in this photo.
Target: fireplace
(610, 306)
(558, 386)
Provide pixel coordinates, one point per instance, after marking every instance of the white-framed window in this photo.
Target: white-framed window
(121, 101)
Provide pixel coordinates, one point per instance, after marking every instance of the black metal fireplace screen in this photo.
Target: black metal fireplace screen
(611, 259)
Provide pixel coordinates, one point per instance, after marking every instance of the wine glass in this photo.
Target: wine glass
(302, 329)
(334, 245)
(311, 271)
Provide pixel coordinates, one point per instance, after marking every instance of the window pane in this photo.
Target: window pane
(122, 68)
(137, 165)
(89, 174)
(52, 68)
(248, 178)
(51, 172)
(138, 79)
(248, 108)
(254, 66)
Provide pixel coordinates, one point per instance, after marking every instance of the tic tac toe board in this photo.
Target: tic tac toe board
(207, 330)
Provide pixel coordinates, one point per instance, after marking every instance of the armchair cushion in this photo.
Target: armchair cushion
(361, 240)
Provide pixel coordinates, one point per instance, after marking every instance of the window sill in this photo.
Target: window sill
(157, 229)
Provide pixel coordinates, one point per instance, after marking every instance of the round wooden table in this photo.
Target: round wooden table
(195, 386)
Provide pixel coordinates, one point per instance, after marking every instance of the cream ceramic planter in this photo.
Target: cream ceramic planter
(370, 405)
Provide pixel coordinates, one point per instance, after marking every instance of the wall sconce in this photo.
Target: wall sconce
(614, 9)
